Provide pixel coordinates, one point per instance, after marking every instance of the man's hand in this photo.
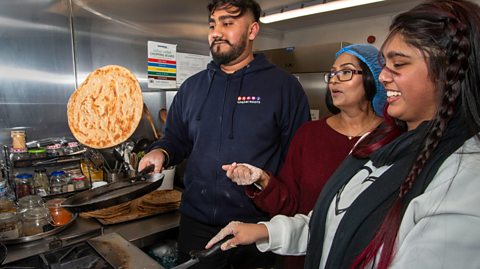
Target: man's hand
(155, 157)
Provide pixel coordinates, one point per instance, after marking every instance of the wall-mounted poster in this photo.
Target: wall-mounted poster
(189, 64)
(162, 65)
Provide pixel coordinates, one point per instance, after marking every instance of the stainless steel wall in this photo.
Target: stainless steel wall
(36, 68)
(48, 47)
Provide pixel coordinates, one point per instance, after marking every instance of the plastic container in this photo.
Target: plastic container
(10, 226)
(23, 185)
(35, 221)
(169, 178)
(60, 216)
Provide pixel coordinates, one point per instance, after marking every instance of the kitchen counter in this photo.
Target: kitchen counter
(141, 233)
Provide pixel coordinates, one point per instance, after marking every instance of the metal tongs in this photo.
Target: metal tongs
(197, 255)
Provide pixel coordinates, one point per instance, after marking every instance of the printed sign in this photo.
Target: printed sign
(162, 65)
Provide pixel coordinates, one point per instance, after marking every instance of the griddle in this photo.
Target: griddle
(114, 193)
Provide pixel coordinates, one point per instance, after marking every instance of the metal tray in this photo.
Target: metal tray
(29, 238)
(113, 193)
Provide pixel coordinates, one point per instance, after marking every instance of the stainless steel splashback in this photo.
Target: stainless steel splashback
(36, 68)
(48, 47)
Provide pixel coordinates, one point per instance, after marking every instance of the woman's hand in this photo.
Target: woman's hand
(246, 174)
(244, 234)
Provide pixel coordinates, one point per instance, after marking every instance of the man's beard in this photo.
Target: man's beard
(233, 53)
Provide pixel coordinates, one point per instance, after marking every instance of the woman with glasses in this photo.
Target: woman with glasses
(318, 147)
(407, 196)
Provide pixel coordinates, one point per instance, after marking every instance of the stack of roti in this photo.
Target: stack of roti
(110, 212)
(107, 107)
(164, 200)
(159, 201)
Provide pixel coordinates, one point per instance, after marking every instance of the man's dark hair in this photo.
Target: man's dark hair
(242, 5)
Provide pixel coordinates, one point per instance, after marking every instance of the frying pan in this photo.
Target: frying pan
(114, 193)
(196, 256)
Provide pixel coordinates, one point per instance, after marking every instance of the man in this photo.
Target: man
(242, 108)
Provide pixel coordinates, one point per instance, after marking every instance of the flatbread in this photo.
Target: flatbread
(107, 107)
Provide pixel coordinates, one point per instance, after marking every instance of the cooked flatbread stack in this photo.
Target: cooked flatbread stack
(110, 212)
(107, 107)
(163, 200)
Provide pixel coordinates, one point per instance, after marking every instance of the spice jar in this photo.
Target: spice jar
(60, 215)
(10, 226)
(57, 181)
(7, 205)
(40, 182)
(35, 221)
(18, 139)
(79, 181)
(18, 154)
(23, 185)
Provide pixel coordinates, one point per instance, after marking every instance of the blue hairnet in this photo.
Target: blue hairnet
(369, 55)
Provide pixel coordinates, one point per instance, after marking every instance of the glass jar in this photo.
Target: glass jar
(35, 221)
(80, 182)
(29, 202)
(7, 205)
(60, 216)
(40, 182)
(10, 226)
(18, 154)
(18, 139)
(67, 184)
(56, 181)
(23, 185)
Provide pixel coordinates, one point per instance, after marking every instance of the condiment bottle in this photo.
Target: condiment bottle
(60, 215)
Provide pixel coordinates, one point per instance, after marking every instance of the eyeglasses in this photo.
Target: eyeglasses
(342, 75)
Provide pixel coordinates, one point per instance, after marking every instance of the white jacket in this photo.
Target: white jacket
(440, 228)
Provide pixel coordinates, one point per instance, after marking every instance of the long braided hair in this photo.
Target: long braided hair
(447, 31)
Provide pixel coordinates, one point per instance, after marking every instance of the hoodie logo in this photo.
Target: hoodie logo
(249, 100)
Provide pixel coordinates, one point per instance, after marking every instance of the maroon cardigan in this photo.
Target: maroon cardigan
(314, 153)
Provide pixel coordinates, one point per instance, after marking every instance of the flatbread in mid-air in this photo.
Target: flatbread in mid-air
(107, 107)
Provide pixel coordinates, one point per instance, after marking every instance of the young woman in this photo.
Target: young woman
(407, 198)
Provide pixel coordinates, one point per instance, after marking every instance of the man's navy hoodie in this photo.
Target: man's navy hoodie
(216, 118)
